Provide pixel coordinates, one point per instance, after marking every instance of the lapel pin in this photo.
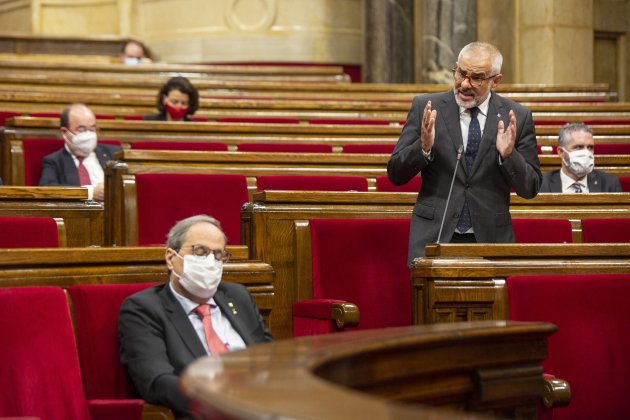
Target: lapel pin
(233, 308)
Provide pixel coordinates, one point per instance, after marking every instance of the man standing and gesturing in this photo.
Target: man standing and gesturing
(498, 144)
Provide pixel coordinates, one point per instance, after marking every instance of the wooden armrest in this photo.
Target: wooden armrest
(156, 412)
(345, 314)
(556, 393)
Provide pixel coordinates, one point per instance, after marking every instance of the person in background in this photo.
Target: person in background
(134, 52)
(576, 149)
(166, 327)
(177, 101)
(81, 161)
(496, 141)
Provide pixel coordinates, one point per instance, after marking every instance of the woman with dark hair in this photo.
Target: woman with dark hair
(177, 101)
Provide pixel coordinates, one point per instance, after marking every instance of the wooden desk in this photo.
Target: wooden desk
(84, 219)
(489, 367)
(467, 282)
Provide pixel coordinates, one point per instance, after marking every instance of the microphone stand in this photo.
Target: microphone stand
(450, 191)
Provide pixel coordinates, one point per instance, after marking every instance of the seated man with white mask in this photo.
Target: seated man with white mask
(81, 161)
(165, 328)
(576, 150)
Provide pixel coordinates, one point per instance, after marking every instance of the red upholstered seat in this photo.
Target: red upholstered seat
(163, 199)
(625, 183)
(285, 147)
(341, 121)
(28, 232)
(385, 148)
(35, 149)
(258, 120)
(4, 115)
(546, 231)
(133, 117)
(205, 146)
(311, 183)
(45, 114)
(39, 374)
(110, 142)
(362, 261)
(606, 230)
(590, 348)
(383, 184)
(612, 149)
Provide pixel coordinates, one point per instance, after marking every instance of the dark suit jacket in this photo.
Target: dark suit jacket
(597, 181)
(158, 341)
(487, 187)
(58, 168)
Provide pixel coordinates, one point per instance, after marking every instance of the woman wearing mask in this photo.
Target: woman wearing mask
(177, 101)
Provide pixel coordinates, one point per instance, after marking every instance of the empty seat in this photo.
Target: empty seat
(205, 146)
(383, 184)
(35, 149)
(383, 148)
(590, 348)
(285, 147)
(165, 198)
(615, 230)
(31, 232)
(545, 231)
(311, 183)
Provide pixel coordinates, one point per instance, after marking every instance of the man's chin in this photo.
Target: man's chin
(465, 104)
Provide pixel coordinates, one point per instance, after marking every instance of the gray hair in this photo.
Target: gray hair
(484, 48)
(177, 234)
(567, 132)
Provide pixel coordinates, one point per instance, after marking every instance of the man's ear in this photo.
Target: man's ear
(168, 257)
(496, 80)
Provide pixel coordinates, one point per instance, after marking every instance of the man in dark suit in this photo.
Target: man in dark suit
(81, 161)
(576, 149)
(495, 135)
(163, 329)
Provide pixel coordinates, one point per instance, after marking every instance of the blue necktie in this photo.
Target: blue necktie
(474, 138)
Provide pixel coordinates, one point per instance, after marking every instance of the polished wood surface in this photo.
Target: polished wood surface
(491, 368)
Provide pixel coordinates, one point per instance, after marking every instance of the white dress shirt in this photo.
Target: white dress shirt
(94, 169)
(567, 183)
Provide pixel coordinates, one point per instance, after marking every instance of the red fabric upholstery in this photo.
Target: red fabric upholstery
(612, 149)
(127, 409)
(363, 261)
(205, 146)
(28, 232)
(607, 122)
(35, 149)
(625, 183)
(133, 117)
(606, 230)
(542, 231)
(386, 148)
(45, 114)
(383, 184)
(163, 199)
(258, 120)
(341, 121)
(96, 321)
(39, 374)
(105, 117)
(285, 148)
(4, 115)
(111, 142)
(590, 348)
(312, 317)
(198, 119)
(311, 183)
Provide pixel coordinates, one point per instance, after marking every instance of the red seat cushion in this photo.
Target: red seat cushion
(606, 230)
(164, 199)
(28, 232)
(285, 148)
(383, 184)
(311, 183)
(205, 146)
(546, 231)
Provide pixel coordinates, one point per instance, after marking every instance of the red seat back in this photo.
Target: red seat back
(258, 120)
(625, 183)
(39, 374)
(205, 146)
(96, 310)
(4, 115)
(285, 148)
(612, 149)
(590, 348)
(35, 149)
(164, 199)
(28, 232)
(364, 261)
(383, 184)
(347, 121)
(385, 148)
(606, 230)
(542, 231)
(311, 183)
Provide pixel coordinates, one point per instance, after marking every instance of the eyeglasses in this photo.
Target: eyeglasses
(203, 251)
(475, 80)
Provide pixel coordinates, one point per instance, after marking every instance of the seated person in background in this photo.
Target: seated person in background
(575, 148)
(134, 52)
(161, 329)
(81, 161)
(177, 100)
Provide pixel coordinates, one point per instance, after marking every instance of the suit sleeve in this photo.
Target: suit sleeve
(407, 159)
(143, 352)
(522, 167)
(50, 172)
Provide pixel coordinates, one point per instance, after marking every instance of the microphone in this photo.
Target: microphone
(450, 191)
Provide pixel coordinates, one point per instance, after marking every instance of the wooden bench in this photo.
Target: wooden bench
(83, 219)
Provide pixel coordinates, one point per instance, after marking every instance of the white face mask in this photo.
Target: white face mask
(579, 162)
(132, 61)
(84, 142)
(201, 276)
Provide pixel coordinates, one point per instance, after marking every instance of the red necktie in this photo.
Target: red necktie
(84, 177)
(215, 344)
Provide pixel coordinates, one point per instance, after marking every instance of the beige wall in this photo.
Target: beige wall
(15, 15)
